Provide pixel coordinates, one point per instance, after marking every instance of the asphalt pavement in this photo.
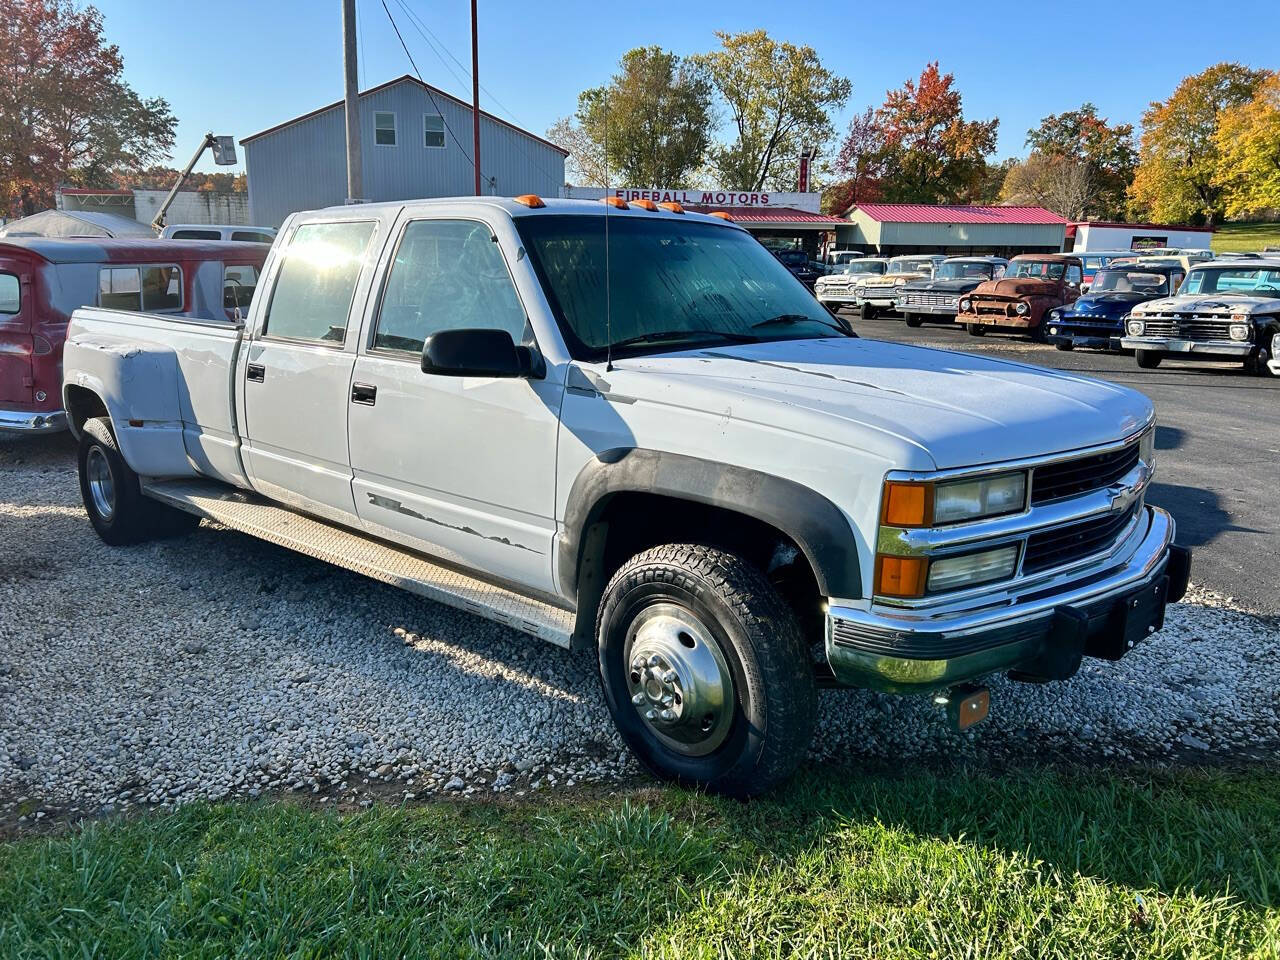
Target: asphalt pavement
(1218, 450)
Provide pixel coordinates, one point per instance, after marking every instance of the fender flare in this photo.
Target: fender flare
(818, 527)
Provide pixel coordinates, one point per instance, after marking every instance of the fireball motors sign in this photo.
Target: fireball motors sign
(713, 197)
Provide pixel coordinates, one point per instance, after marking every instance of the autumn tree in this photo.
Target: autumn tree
(1079, 148)
(1180, 161)
(1063, 184)
(1248, 142)
(66, 114)
(933, 154)
(858, 166)
(779, 97)
(651, 122)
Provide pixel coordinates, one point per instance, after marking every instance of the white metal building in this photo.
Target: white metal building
(1089, 235)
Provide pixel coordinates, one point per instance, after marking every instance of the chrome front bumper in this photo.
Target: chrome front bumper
(26, 421)
(1222, 348)
(926, 649)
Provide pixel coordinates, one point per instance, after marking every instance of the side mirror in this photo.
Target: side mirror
(478, 353)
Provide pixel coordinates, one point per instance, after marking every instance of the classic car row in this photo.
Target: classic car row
(1170, 303)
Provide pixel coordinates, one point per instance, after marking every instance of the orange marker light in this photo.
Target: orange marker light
(617, 202)
(531, 200)
(672, 206)
(645, 205)
(722, 215)
(901, 576)
(907, 504)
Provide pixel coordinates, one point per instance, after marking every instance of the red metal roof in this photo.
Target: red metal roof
(770, 215)
(955, 213)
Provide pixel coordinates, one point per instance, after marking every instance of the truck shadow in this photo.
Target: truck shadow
(1198, 512)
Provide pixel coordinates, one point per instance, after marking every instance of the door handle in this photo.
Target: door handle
(365, 393)
(256, 372)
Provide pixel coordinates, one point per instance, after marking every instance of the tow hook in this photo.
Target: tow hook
(967, 705)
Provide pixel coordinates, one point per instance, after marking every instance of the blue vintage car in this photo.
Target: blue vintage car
(1097, 318)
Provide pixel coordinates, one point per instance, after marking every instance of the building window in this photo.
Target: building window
(432, 130)
(384, 129)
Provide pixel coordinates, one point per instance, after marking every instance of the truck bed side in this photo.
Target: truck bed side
(167, 383)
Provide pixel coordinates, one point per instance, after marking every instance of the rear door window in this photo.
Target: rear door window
(317, 282)
(156, 288)
(10, 294)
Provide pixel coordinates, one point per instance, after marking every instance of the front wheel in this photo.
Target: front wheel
(705, 670)
(867, 312)
(913, 319)
(1148, 359)
(975, 329)
(1066, 346)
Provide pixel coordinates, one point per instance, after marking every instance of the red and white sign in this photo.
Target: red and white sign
(701, 198)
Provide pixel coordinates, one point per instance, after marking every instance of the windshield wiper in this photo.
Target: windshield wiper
(789, 318)
(664, 336)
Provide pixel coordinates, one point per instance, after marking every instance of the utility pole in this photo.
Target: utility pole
(355, 168)
(475, 93)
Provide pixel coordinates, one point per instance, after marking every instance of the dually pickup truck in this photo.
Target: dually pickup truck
(631, 429)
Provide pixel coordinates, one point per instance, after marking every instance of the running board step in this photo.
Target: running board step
(259, 517)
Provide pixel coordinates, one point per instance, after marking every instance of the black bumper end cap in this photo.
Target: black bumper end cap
(1178, 571)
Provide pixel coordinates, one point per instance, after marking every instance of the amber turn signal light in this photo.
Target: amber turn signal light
(901, 576)
(531, 200)
(907, 504)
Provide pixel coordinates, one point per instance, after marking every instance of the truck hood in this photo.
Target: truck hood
(920, 408)
(956, 285)
(1212, 303)
(889, 279)
(1018, 287)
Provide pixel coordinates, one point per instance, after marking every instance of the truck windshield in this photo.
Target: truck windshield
(961, 270)
(860, 266)
(1254, 282)
(1130, 281)
(670, 284)
(1047, 269)
(910, 266)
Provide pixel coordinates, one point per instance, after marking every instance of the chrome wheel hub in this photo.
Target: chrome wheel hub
(678, 679)
(102, 488)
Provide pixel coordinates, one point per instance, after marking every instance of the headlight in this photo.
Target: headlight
(1023, 309)
(1055, 313)
(911, 504)
(951, 573)
(1238, 331)
(1275, 345)
(1135, 328)
(965, 304)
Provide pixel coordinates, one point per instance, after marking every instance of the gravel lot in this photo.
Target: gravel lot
(217, 665)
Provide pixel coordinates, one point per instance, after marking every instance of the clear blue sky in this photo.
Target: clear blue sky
(238, 67)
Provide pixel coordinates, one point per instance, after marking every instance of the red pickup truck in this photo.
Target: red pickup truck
(43, 279)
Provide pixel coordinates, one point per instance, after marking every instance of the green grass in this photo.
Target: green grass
(923, 865)
(1246, 236)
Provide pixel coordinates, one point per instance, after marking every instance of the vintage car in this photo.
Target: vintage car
(876, 294)
(1033, 284)
(1226, 310)
(837, 257)
(1097, 318)
(44, 279)
(835, 290)
(726, 499)
(798, 262)
(939, 296)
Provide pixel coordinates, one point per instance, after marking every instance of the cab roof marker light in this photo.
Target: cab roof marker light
(722, 215)
(645, 205)
(616, 202)
(530, 200)
(672, 206)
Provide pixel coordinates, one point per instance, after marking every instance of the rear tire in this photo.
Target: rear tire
(1147, 359)
(705, 670)
(913, 319)
(975, 329)
(112, 495)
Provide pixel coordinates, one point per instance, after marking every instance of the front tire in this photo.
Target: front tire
(975, 329)
(112, 495)
(1066, 346)
(1147, 359)
(705, 670)
(867, 312)
(913, 319)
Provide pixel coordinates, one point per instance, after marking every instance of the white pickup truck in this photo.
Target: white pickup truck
(632, 429)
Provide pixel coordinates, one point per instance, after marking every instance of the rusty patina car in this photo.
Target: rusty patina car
(1033, 285)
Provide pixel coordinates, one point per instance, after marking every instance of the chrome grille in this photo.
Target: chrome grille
(1076, 541)
(928, 299)
(1186, 327)
(1069, 478)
